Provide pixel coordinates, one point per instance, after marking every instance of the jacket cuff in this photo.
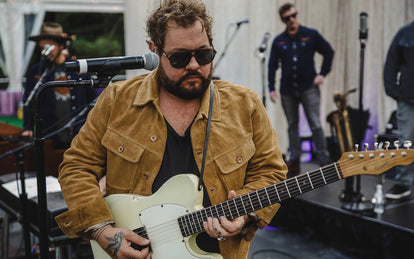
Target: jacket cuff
(76, 220)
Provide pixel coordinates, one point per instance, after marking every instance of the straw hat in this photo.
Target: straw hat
(54, 31)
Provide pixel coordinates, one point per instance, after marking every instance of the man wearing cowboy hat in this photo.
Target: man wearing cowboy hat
(61, 104)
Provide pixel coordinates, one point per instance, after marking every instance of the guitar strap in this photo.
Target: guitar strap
(210, 112)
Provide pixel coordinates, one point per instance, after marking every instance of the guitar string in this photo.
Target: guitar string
(330, 175)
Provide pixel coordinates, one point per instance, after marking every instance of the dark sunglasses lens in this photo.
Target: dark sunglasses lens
(180, 59)
(287, 18)
(204, 56)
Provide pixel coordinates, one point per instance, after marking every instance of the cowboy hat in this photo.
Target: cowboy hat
(54, 31)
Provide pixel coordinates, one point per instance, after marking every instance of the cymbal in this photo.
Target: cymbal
(9, 130)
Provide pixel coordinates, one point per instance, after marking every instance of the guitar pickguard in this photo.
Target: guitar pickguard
(159, 215)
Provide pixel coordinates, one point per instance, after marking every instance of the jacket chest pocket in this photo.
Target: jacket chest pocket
(233, 164)
(123, 155)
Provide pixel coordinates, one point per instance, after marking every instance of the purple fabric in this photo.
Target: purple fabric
(9, 102)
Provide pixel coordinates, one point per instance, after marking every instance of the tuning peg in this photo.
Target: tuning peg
(396, 144)
(387, 145)
(376, 145)
(356, 147)
(407, 144)
(366, 146)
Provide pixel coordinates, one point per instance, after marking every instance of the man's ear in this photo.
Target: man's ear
(152, 47)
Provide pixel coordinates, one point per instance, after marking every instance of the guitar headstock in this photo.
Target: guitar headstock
(374, 162)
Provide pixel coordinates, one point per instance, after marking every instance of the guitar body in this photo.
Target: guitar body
(158, 213)
(172, 217)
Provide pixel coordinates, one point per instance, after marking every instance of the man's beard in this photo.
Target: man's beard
(175, 88)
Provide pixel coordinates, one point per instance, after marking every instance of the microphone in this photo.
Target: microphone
(47, 49)
(241, 22)
(263, 45)
(148, 61)
(363, 27)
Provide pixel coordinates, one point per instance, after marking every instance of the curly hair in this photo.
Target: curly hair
(184, 12)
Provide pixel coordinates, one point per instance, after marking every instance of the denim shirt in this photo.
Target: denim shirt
(399, 66)
(296, 55)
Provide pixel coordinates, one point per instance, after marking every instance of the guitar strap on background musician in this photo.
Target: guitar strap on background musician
(210, 112)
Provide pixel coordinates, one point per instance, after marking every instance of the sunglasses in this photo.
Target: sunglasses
(181, 59)
(287, 18)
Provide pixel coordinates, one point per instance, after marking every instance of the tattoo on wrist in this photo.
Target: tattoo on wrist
(97, 233)
(114, 243)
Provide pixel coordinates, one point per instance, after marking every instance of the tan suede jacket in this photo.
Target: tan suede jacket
(125, 135)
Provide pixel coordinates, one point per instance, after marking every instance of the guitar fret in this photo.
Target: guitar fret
(228, 205)
(187, 225)
(281, 190)
(258, 198)
(317, 179)
(244, 207)
(196, 221)
(337, 171)
(287, 189)
(218, 214)
(277, 192)
(222, 208)
(293, 187)
(268, 198)
(251, 203)
(320, 169)
(300, 190)
(310, 181)
(191, 221)
(304, 182)
(235, 205)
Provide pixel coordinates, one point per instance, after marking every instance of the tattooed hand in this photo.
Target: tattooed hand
(117, 242)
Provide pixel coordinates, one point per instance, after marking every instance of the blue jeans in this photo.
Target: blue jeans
(310, 100)
(405, 115)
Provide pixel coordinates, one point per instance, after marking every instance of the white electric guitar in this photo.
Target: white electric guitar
(171, 217)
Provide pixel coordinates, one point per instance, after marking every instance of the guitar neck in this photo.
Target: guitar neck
(193, 222)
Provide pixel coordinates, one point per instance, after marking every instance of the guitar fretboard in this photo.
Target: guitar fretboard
(192, 223)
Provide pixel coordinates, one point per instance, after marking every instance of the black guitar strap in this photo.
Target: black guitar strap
(210, 112)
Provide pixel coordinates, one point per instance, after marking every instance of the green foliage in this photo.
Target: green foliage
(101, 47)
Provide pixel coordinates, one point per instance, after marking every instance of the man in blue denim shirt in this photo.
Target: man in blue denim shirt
(399, 85)
(295, 49)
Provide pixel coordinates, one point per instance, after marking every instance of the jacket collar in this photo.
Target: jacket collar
(149, 92)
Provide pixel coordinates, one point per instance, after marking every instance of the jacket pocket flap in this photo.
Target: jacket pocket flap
(122, 146)
(236, 158)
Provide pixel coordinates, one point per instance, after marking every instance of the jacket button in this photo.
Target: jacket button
(239, 159)
(66, 224)
(145, 176)
(121, 149)
(153, 138)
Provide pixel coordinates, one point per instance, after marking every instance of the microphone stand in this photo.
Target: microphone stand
(262, 57)
(104, 77)
(19, 152)
(357, 204)
(226, 46)
(29, 99)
